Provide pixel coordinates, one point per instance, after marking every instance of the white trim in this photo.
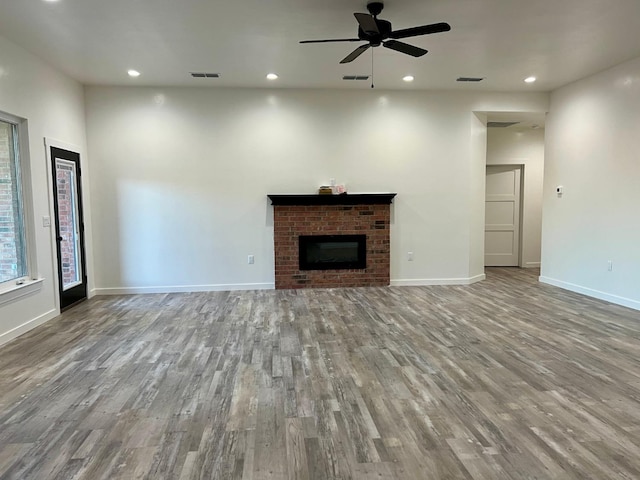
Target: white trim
(18, 291)
(52, 142)
(476, 279)
(25, 327)
(417, 282)
(183, 288)
(607, 297)
(532, 265)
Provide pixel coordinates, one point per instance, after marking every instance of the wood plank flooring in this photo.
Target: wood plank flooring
(504, 379)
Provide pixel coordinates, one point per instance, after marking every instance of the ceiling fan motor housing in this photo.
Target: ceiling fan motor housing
(384, 29)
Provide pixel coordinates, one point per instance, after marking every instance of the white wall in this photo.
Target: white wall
(592, 145)
(523, 146)
(477, 164)
(180, 177)
(53, 104)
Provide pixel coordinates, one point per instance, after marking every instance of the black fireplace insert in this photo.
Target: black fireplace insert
(327, 252)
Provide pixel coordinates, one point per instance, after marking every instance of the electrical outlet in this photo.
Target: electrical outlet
(251, 259)
(410, 256)
(610, 265)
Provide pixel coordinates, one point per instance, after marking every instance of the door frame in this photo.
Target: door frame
(48, 143)
(521, 166)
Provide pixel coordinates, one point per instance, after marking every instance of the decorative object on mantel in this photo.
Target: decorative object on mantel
(344, 199)
(332, 189)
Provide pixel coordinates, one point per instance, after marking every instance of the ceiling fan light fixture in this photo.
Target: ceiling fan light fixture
(530, 79)
(408, 78)
(133, 73)
(272, 76)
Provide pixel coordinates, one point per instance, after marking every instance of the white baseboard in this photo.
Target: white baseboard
(183, 288)
(420, 282)
(607, 297)
(476, 279)
(532, 265)
(25, 327)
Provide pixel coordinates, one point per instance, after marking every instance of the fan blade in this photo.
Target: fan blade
(332, 40)
(355, 54)
(423, 30)
(405, 48)
(367, 23)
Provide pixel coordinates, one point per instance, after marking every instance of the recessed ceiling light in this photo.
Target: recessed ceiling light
(133, 73)
(50, 1)
(272, 76)
(408, 78)
(530, 79)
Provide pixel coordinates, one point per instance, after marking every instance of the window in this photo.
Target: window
(13, 242)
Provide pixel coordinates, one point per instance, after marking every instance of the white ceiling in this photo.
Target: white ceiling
(96, 41)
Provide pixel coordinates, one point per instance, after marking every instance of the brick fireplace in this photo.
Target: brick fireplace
(331, 215)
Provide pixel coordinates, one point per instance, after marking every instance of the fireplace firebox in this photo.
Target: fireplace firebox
(332, 252)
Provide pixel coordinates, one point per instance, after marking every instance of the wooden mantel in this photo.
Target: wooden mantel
(342, 199)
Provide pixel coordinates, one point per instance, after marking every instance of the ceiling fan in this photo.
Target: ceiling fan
(378, 32)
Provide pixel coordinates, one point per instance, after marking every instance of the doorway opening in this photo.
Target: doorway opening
(514, 140)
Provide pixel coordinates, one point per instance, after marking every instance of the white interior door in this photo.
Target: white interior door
(502, 216)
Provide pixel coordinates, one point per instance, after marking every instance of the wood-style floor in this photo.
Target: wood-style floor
(504, 379)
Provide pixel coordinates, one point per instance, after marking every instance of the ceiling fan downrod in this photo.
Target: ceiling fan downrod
(372, 86)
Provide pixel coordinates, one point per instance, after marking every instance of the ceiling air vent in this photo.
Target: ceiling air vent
(501, 124)
(469, 79)
(356, 77)
(204, 75)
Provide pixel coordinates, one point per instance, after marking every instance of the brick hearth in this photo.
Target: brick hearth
(290, 221)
